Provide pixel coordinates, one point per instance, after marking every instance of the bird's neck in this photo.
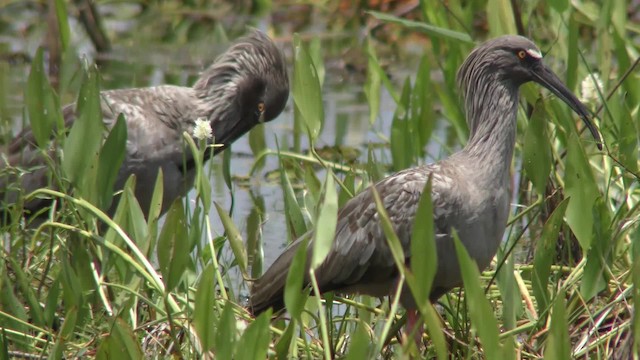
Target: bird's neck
(491, 114)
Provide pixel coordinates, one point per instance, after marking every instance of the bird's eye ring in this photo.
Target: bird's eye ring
(261, 106)
(522, 54)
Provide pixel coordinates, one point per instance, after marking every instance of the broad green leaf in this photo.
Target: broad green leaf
(258, 144)
(254, 342)
(537, 150)
(203, 313)
(325, 228)
(294, 296)
(596, 270)
(82, 146)
(581, 187)
(284, 343)
(558, 344)
(120, 343)
(226, 333)
(440, 32)
(173, 249)
(424, 259)
(111, 157)
(315, 52)
(545, 255)
(307, 95)
(360, 347)
(42, 102)
(480, 311)
(235, 238)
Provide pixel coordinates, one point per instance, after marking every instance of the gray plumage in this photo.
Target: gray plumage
(470, 190)
(246, 85)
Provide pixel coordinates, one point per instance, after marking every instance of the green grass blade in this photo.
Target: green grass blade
(440, 32)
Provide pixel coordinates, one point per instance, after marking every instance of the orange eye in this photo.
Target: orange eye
(261, 106)
(522, 54)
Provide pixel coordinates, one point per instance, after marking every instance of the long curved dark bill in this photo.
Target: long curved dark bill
(545, 77)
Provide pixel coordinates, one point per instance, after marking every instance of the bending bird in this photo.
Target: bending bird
(245, 86)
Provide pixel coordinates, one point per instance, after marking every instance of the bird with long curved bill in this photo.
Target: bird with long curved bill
(471, 190)
(245, 86)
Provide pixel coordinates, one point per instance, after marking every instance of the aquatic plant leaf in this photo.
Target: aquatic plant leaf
(204, 315)
(423, 27)
(580, 185)
(41, 102)
(545, 255)
(226, 333)
(307, 94)
(109, 161)
(295, 220)
(254, 342)
(537, 150)
(294, 294)
(63, 24)
(173, 250)
(82, 146)
(558, 345)
(234, 237)
(120, 343)
(325, 226)
(480, 311)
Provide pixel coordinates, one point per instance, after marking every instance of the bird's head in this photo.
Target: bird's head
(245, 86)
(515, 60)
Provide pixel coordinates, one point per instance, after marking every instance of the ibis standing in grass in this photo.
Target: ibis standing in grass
(470, 190)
